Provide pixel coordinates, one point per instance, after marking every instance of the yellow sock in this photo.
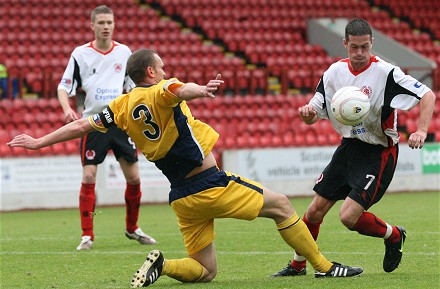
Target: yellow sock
(296, 234)
(184, 270)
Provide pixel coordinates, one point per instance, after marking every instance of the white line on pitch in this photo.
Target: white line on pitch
(96, 252)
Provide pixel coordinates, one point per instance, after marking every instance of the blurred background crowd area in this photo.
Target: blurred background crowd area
(260, 47)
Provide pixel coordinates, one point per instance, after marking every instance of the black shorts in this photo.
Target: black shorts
(95, 145)
(359, 170)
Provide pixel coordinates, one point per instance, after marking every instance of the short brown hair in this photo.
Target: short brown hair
(358, 27)
(138, 62)
(103, 9)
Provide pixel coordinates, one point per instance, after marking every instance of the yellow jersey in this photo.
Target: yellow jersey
(162, 127)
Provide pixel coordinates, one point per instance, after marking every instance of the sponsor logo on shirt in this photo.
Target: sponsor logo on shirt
(107, 116)
(97, 120)
(66, 81)
(106, 93)
(357, 129)
(417, 84)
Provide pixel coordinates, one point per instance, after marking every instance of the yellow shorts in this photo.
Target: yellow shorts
(214, 193)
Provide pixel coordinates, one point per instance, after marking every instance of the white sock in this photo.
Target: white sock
(299, 258)
(389, 231)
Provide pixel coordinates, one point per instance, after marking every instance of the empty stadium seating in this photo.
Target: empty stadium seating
(249, 42)
(268, 34)
(267, 31)
(36, 118)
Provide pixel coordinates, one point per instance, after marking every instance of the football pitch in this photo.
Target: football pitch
(38, 248)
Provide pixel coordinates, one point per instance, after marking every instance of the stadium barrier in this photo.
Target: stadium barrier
(54, 182)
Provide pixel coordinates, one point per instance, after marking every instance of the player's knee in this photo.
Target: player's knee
(283, 205)
(347, 220)
(89, 178)
(132, 177)
(277, 207)
(315, 215)
(209, 276)
(133, 180)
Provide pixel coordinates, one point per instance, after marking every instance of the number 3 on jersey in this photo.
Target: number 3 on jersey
(153, 132)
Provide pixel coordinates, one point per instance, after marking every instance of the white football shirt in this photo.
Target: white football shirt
(387, 87)
(102, 75)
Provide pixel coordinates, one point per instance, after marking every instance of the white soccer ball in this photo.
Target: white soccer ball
(350, 105)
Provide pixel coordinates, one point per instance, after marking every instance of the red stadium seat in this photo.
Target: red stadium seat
(333, 138)
(72, 147)
(411, 126)
(267, 49)
(59, 149)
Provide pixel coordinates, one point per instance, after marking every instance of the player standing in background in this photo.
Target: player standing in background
(155, 114)
(364, 163)
(99, 68)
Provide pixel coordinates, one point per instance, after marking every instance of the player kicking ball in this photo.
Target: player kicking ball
(363, 165)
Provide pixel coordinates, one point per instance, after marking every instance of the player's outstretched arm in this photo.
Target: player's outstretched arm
(192, 90)
(70, 131)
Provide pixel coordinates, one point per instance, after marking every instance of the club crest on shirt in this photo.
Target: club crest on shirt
(367, 90)
(90, 154)
(118, 67)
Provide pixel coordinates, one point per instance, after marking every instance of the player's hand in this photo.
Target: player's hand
(307, 113)
(417, 139)
(24, 141)
(213, 85)
(70, 116)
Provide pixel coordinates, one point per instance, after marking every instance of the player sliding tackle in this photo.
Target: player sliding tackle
(156, 116)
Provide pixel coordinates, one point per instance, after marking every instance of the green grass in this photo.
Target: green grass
(38, 249)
